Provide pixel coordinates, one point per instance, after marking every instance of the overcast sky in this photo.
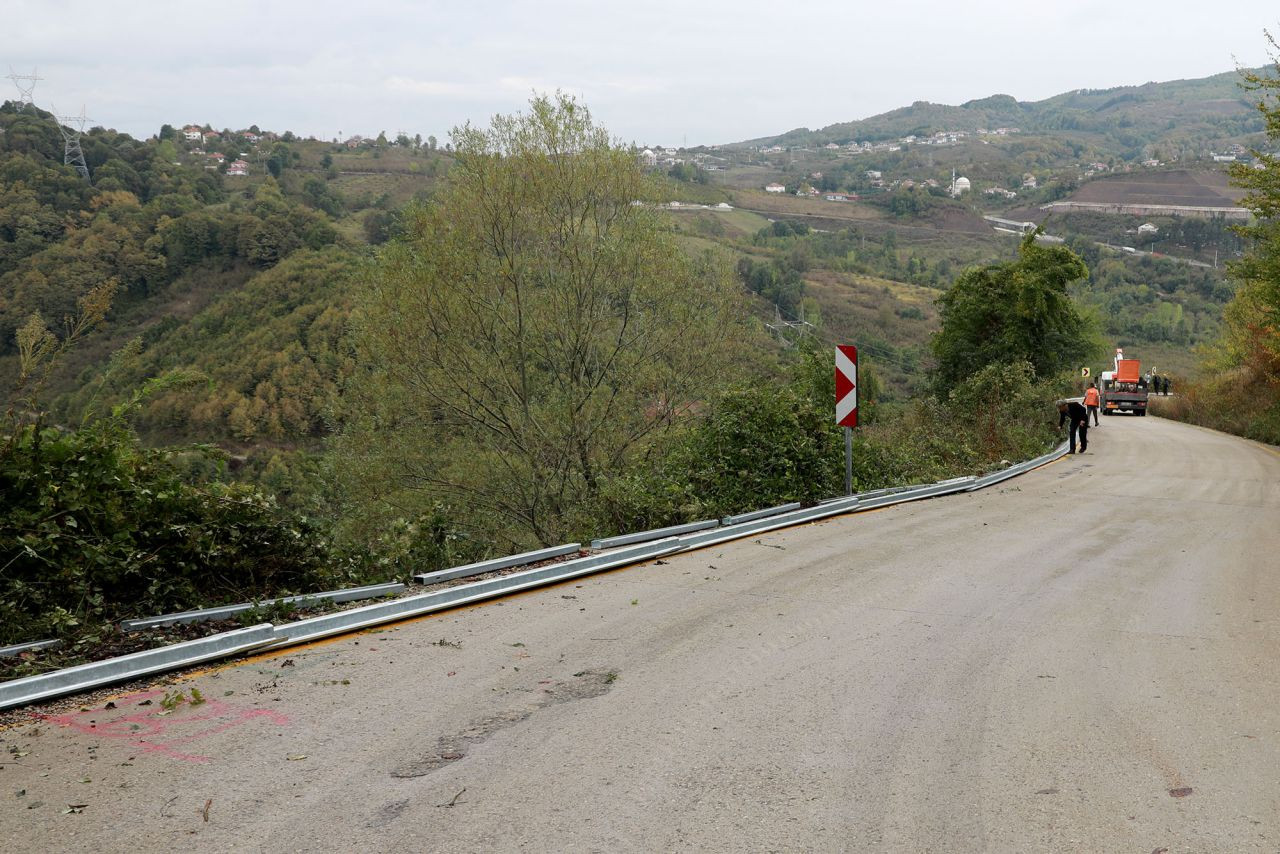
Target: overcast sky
(652, 72)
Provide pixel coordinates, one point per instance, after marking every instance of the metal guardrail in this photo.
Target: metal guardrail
(351, 594)
(34, 646)
(315, 628)
(932, 490)
(655, 534)
(1019, 468)
(760, 514)
(496, 563)
(782, 520)
(83, 677)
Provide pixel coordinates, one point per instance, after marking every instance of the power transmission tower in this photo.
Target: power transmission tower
(72, 154)
(26, 84)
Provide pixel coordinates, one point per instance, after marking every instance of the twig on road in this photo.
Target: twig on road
(454, 801)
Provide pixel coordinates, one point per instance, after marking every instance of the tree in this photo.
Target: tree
(533, 331)
(1252, 334)
(1018, 311)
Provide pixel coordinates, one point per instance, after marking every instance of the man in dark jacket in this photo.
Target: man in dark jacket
(1079, 417)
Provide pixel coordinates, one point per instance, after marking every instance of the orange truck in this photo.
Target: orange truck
(1123, 389)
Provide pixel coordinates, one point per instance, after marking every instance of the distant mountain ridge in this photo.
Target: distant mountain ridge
(1203, 108)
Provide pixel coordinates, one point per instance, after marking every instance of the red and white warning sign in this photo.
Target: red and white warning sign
(846, 385)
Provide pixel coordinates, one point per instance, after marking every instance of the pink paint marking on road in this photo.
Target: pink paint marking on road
(142, 729)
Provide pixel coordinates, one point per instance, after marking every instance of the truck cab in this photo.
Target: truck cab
(1122, 390)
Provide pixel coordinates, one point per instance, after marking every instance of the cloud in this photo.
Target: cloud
(430, 88)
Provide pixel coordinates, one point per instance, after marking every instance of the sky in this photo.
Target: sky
(654, 73)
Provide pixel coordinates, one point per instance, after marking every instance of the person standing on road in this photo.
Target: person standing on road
(1079, 423)
(1091, 403)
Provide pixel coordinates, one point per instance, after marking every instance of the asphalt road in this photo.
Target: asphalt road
(1083, 659)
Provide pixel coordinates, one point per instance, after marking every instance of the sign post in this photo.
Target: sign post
(847, 404)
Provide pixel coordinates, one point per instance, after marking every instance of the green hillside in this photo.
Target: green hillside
(1181, 114)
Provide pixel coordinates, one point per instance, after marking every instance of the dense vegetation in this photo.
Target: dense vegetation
(1240, 387)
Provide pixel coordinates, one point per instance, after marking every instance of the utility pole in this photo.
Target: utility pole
(26, 84)
(72, 155)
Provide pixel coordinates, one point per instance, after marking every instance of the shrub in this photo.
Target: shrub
(97, 528)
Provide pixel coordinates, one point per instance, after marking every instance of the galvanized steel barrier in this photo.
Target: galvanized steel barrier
(496, 563)
(315, 628)
(351, 594)
(677, 538)
(83, 677)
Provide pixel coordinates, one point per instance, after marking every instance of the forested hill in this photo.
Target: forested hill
(1178, 113)
(243, 278)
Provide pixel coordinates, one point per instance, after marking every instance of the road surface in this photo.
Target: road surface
(1082, 659)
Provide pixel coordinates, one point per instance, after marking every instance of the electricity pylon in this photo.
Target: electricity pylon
(72, 154)
(26, 84)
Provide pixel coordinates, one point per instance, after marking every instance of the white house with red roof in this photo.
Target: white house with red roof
(238, 167)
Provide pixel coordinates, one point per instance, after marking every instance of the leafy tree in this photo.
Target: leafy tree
(1014, 312)
(533, 331)
(1253, 316)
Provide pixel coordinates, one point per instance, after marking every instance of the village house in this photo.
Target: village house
(775, 188)
(238, 167)
(192, 133)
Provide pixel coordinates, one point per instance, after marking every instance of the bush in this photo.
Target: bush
(772, 443)
(96, 528)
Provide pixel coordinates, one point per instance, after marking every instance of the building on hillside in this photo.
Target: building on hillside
(250, 136)
(238, 167)
(831, 146)
(648, 158)
(959, 185)
(775, 188)
(1029, 181)
(835, 196)
(724, 206)
(192, 133)
(216, 155)
(1148, 229)
(873, 175)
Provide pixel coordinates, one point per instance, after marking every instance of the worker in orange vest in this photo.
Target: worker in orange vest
(1091, 403)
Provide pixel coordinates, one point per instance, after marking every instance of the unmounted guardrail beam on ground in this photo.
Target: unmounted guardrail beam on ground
(351, 594)
(368, 616)
(83, 677)
(760, 514)
(496, 563)
(655, 534)
(33, 646)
